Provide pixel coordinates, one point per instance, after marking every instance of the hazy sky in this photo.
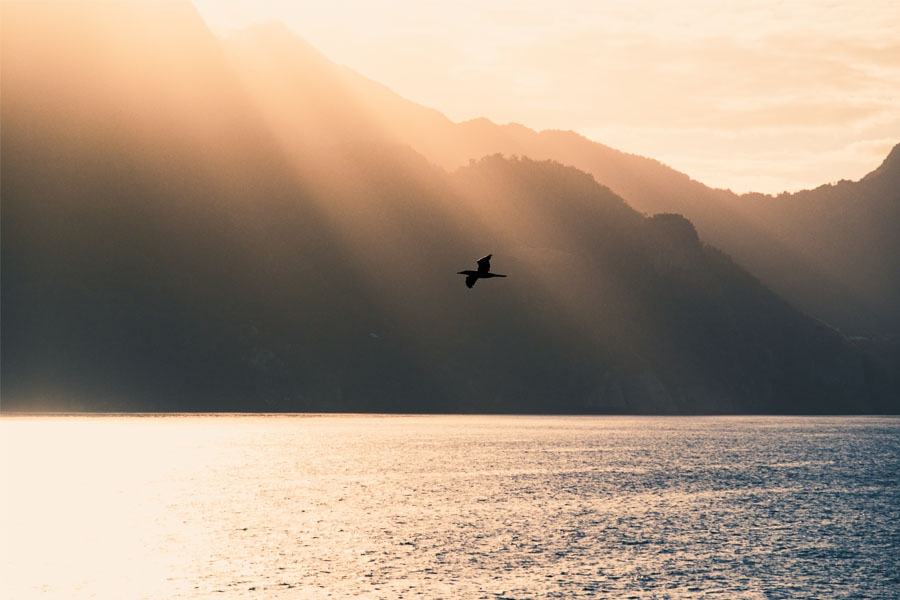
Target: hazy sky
(761, 95)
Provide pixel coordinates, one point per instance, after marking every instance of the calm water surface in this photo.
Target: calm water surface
(449, 507)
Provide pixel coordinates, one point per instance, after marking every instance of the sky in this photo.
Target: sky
(751, 95)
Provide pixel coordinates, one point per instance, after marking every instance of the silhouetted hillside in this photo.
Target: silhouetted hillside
(830, 251)
(847, 234)
(168, 245)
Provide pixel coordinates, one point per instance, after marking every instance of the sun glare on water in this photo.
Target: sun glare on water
(469, 506)
(87, 505)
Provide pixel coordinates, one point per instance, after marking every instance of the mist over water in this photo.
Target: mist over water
(455, 507)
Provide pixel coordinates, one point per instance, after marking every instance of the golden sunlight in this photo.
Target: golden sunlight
(761, 96)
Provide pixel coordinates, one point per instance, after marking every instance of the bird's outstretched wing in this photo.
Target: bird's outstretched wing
(484, 264)
(470, 280)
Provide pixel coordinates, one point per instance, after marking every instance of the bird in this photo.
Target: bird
(483, 272)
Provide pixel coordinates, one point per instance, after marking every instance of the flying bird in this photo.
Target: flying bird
(483, 272)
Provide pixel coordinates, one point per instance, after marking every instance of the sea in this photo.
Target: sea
(492, 507)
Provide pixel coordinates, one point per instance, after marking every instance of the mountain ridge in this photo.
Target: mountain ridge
(764, 233)
(244, 266)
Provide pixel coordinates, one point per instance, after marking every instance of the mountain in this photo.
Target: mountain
(832, 251)
(191, 225)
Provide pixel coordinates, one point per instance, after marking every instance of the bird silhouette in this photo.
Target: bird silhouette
(483, 272)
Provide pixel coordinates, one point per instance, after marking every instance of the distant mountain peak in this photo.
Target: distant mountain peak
(891, 163)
